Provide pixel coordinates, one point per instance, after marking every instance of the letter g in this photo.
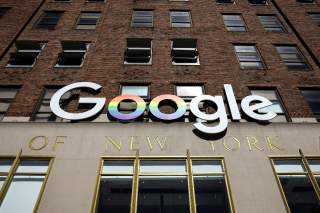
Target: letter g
(55, 102)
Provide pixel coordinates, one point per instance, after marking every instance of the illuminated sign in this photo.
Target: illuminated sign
(249, 105)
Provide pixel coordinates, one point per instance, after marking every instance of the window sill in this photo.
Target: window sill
(19, 66)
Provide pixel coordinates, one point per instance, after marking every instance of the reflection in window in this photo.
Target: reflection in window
(292, 57)
(234, 22)
(185, 91)
(5, 165)
(313, 99)
(25, 187)
(248, 56)
(276, 107)
(142, 91)
(162, 186)
(297, 186)
(163, 194)
(148, 166)
(115, 194)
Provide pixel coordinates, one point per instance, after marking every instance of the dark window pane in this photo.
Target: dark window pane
(49, 20)
(163, 194)
(292, 57)
(313, 98)
(114, 194)
(299, 193)
(211, 194)
(271, 23)
(3, 11)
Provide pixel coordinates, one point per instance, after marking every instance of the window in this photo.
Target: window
(189, 92)
(225, 1)
(62, 0)
(3, 11)
(49, 20)
(73, 54)
(271, 23)
(249, 57)
(184, 52)
(26, 54)
(23, 181)
(315, 18)
(139, 51)
(258, 1)
(44, 112)
(292, 57)
(296, 184)
(276, 107)
(88, 20)
(7, 94)
(313, 99)
(180, 18)
(142, 18)
(159, 183)
(234, 23)
(142, 91)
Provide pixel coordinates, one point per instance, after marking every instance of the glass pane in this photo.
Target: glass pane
(299, 193)
(314, 165)
(5, 165)
(22, 194)
(245, 49)
(135, 90)
(33, 166)
(8, 93)
(269, 94)
(114, 194)
(163, 194)
(189, 91)
(165, 166)
(313, 99)
(318, 179)
(211, 194)
(201, 166)
(284, 166)
(275, 107)
(117, 167)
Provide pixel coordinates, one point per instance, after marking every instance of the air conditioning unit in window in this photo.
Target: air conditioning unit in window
(258, 1)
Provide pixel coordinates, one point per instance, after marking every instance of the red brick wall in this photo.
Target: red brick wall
(218, 62)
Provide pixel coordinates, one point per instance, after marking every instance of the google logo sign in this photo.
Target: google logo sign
(249, 105)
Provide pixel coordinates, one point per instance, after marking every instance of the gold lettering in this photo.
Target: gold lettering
(58, 140)
(272, 145)
(232, 148)
(116, 144)
(133, 142)
(253, 143)
(213, 148)
(162, 144)
(42, 143)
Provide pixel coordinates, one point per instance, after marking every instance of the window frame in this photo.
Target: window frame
(88, 12)
(142, 85)
(37, 25)
(187, 48)
(242, 19)
(73, 51)
(139, 48)
(308, 173)
(133, 15)
(311, 14)
(279, 22)
(17, 88)
(173, 23)
(258, 4)
(316, 115)
(188, 85)
(43, 46)
(13, 172)
(299, 52)
(189, 174)
(263, 65)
